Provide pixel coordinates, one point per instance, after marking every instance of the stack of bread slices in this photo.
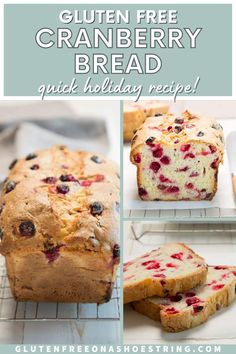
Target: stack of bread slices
(174, 285)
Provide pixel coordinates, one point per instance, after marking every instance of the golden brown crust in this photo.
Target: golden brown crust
(150, 286)
(185, 319)
(135, 114)
(157, 127)
(62, 222)
(72, 277)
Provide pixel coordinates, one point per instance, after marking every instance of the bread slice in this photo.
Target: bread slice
(184, 311)
(177, 158)
(164, 272)
(135, 113)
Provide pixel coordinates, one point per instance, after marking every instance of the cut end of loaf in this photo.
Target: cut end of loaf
(177, 172)
(177, 158)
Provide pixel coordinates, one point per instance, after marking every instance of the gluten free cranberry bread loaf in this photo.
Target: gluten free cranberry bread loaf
(135, 113)
(190, 309)
(177, 158)
(59, 226)
(164, 272)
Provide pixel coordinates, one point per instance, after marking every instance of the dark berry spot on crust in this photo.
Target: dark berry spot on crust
(63, 189)
(116, 251)
(176, 298)
(200, 134)
(178, 129)
(34, 167)
(27, 229)
(52, 253)
(212, 148)
(96, 159)
(12, 164)
(158, 115)
(96, 208)
(179, 120)
(68, 178)
(1, 233)
(150, 140)
(217, 126)
(137, 158)
(10, 186)
(50, 180)
(197, 308)
(31, 156)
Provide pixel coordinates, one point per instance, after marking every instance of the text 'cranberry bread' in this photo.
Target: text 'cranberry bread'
(177, 158)
(165, 271)
(59, 226)
(190, 309)
(135, 113)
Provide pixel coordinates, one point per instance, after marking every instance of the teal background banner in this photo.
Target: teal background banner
(30, 70)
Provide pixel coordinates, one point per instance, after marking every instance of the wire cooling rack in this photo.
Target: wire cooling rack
(184, 215)
(140, 230)
(11, 310)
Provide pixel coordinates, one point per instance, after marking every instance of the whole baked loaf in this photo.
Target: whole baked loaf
(165, 271)
(135, 113)
(59, 226)
(190, 309)
(178, 157)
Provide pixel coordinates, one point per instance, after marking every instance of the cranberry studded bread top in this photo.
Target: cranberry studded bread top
(135, 113)
(190, 309)
(165, 271)
(59, 224)
(177, 158)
